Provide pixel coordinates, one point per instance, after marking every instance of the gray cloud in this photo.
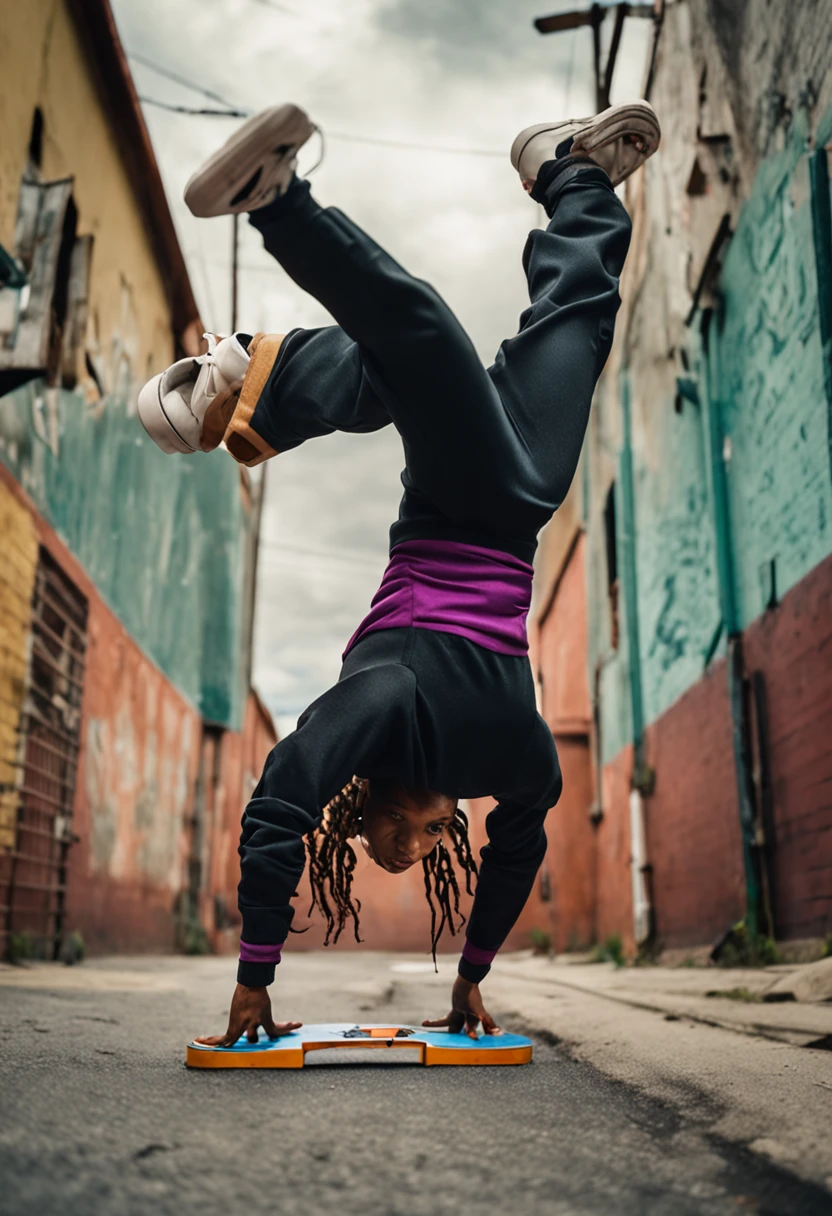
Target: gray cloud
(455, 73)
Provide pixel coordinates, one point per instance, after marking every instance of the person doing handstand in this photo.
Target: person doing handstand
(435, 701)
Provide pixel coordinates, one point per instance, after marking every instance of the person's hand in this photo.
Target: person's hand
(250, 1008)
(467, 1010)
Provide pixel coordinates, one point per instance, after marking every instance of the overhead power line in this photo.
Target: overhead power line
(166, 105)
(232, 111)
(183, 80)
(377, 140)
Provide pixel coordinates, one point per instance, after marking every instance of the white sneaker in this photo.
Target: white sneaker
(253, 167)
(619, 140)
(184, 408)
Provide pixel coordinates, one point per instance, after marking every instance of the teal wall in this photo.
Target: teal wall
(771, 387)
(161, 537)
(767, 375)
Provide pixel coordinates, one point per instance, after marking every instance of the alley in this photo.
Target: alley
(100, 1116)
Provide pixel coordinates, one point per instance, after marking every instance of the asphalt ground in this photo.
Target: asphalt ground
(99, 1115)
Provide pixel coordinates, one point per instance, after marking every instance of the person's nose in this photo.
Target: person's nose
(408, 843)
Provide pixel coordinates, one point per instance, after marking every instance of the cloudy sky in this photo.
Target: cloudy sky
(419, 101)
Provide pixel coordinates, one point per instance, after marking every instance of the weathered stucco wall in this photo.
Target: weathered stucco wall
(161, 537)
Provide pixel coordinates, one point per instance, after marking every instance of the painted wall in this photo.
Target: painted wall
(769, 375)
(161, 537)
(17, 580)
(739, 119)
(137, 784)
(769, 379)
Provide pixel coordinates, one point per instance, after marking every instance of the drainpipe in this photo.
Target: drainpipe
(718, 449)
(822, 231)
(642, 781)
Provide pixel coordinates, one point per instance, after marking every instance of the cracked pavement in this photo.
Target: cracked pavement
(99, 1115)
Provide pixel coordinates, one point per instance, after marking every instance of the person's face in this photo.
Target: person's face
(398, 829)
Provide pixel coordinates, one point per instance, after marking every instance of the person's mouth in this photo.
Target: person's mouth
(398, 864)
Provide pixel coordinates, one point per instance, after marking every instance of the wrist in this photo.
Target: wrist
(255, 975)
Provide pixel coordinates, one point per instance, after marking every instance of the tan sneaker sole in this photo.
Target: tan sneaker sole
(255, 163)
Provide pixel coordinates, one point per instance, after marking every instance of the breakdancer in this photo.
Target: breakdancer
(435, 700)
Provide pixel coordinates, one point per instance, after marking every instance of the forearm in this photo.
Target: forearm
(510, 862)
(272, 859)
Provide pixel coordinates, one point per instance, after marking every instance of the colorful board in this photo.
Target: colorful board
(430, 1047)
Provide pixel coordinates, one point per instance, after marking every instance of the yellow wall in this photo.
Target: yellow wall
(17, 580)
(43, 64)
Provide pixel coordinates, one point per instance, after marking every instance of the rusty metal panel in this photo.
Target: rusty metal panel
(43, 210)
(33, 874)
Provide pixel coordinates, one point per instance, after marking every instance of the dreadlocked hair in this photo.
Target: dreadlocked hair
(332, 862)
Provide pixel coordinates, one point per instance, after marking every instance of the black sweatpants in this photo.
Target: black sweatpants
(489, 455)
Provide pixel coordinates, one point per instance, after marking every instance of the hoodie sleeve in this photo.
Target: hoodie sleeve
(511, 858)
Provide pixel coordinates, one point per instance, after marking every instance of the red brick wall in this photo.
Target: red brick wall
(692, 824)
(693, 838)
(614, 900)
(792, 646)
(571, 856)
(561, 659)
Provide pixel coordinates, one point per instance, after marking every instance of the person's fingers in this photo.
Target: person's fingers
(214, 1040)
(252, 1035)
(489, 1025)
(456, 1021)
(440, 1022)
(275, 1029)
(471, 1024)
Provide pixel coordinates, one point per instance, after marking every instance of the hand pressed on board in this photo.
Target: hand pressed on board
(250, 1008)
(467, 1011)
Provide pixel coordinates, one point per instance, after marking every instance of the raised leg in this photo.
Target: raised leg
(415, 354)
(546, 374)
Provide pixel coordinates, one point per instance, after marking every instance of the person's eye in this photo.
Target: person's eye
(394, 814)
(436, 829)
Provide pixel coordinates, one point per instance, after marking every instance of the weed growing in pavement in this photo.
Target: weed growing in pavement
(610, 951)
(735, 994)
(541, 941)
(737, 949)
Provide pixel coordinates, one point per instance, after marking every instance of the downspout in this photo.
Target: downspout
(822, 231)
(717, 447)
(642, 780)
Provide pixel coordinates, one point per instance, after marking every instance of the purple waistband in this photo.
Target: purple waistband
(480, 958)
(450, 587)
(250, 953)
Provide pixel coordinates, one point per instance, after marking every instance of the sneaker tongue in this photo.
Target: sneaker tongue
(231, 359)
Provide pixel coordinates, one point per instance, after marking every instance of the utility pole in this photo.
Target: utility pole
(594, 16)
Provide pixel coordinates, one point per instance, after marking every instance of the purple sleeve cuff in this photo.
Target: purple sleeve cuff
(251, 953)
(480, 958)
(475, 963)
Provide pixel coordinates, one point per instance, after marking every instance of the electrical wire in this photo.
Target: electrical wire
(175, 76)
(232, 111)
(379, 141)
